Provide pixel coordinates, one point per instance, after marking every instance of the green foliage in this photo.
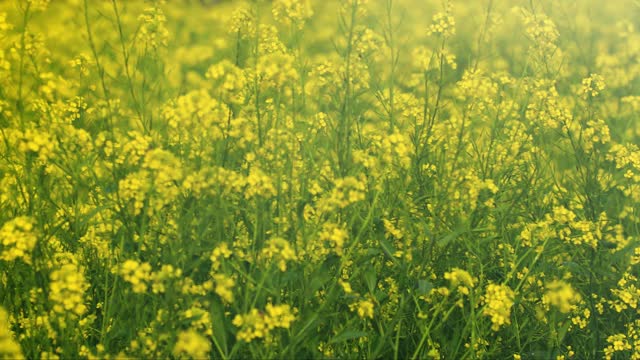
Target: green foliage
(319, 179)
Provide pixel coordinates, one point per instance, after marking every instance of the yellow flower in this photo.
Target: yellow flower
(460, 279)
(224, 285)
(364, 308)
(256, 324)
(259, 184)
(561, 295)
(38, 142)
(347, 191)
(458, 276)
(593, 85)
(17, 239)
(443, 23)
(292, 11)
(252, 325)
(280, 250)
(162, 277)
(137, 274)
(152, 31)
(335, 236)
(192, 345)
(498, 300)
(229, 80)
(221, 251)
(9, 348)
(199, 318)
(345, 286)
(67, 290)
(279, 316)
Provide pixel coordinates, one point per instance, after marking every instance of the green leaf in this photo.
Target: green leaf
(575, 268)
(311, 322)
(347, 335)
(318, 280)
(370, 279)
(444, 241)
(218, 323)
(563, 331)
(424, 287)
(388, 248)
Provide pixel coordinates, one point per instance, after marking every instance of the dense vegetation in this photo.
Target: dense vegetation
(320, 179)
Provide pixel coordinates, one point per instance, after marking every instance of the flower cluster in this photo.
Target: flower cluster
(18, 239)
(178, 179)
(191, 344)
(68, 285)
(257, 324)
(137, 274)
(292, 11)
(9, 347)
(498, 300)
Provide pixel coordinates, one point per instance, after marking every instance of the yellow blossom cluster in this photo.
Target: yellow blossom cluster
(257, 324)
(68, 285)
(153, 32)
(18, 239)
(191, 344)
(308, 178)
(164, 278)
(461, 280)
(443, 23)
(592, 85)
(229, 81)
(627, 293)
(364, 308)
(292, 11)
(9, 347)
(334, 236)
(626, 343)
(279, 250)
(347, 191)
(562, 296)
(137, 274)
(39, 143)
(224, 286)
(498, 300)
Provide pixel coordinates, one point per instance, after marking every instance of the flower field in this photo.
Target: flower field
(307, 179)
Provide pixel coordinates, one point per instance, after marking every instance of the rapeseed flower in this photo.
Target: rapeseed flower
(498, 300)
(192, 345)
(18, 239)
(9, 347)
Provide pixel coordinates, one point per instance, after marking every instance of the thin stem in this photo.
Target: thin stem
(125, 55)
